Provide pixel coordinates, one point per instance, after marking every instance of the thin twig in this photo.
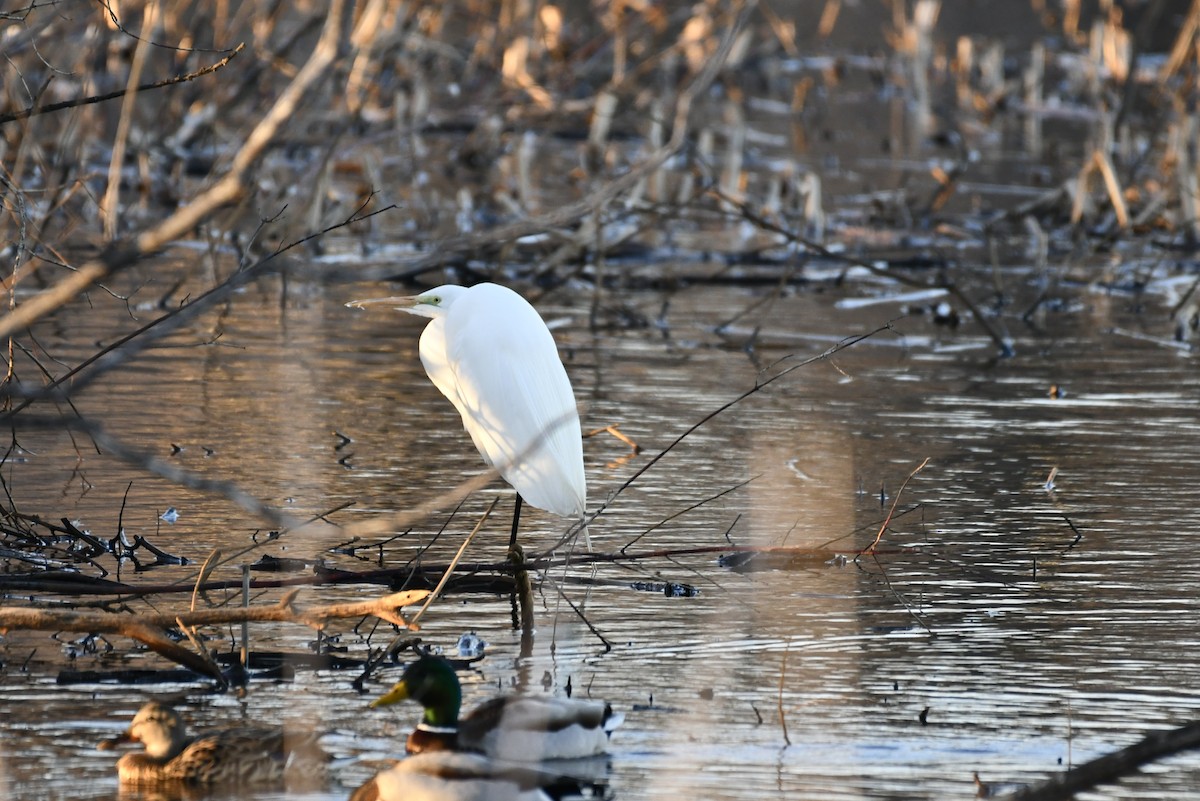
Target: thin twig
(896, 593)
(759, 385)
(205, 571)
(437, 591)
(34, 111)
(125, 348)
(895, 502)
(687, 509)
(782, 675)
(110, 205)
(579, 613)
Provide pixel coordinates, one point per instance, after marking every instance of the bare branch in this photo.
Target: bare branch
(34, 111)
(150, 629)
(224, 191)
(895, 502)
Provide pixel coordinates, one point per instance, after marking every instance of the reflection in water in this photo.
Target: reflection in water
(1031, 626)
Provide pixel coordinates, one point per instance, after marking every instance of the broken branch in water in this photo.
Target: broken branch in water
(150, 629)
(743, 558)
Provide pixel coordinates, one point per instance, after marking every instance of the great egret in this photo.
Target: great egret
(491, 354)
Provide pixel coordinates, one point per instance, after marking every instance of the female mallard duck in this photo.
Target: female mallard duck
(230, 756)
(521, 728)
(450, 776)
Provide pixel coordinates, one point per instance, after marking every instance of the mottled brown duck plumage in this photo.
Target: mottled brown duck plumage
(244, 755)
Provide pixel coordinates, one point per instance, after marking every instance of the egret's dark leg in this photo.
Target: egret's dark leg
(512, 540)
(523, 590)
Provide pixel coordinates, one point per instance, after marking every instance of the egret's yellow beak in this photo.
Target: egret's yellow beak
(395, 695)
(398, 302)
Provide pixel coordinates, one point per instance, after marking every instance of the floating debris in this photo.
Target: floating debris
(1050, 479)
(275, 564)
(471, 645)
(670, 589)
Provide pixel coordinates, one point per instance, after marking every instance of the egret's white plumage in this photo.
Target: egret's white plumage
(492, 356)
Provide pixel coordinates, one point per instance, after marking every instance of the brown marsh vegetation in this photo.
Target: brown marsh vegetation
(992, 164)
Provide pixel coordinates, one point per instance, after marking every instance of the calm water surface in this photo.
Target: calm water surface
(1038, 627)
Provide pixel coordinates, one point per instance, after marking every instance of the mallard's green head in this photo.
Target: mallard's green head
(431, 682)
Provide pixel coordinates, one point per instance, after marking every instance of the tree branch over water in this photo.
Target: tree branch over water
(224, 191)
(33, 111)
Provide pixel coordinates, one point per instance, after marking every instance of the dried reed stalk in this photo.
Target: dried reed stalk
(111, 204)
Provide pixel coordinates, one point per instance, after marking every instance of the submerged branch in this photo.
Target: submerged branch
(488, 576)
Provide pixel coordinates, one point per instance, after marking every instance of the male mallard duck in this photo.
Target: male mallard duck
(450, 776)
(521, 728)
(247, 755)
